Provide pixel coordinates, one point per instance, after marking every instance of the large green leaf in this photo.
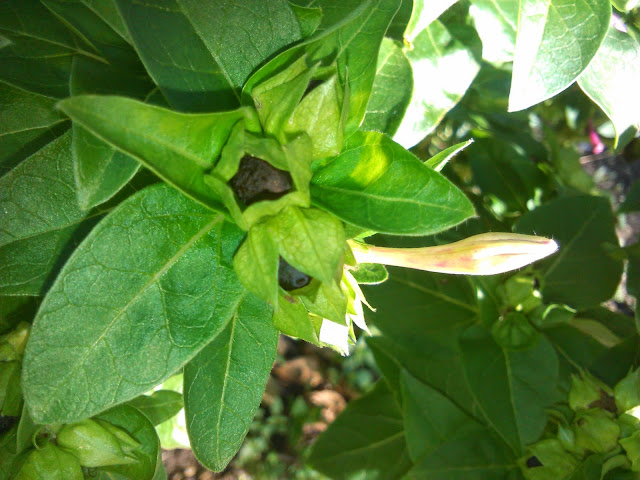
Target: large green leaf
(445, 443)
(391, 91)
(584, 227)
(496, 23)
(241, 35)
(366, 440)
(178, 147)
(100, 170)
(511, 387)
(224, 383)
(378, 185)
(423, 13)
(610, 81)
(40, 217)
(444, 64)
(176, 56)
(421, 316)
(141, 429)
(556, 41)
(27, 122)
(146, 290)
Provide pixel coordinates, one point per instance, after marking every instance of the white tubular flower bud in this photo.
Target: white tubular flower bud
(484, 254)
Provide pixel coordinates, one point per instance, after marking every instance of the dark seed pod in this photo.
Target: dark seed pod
(258, 180)
(290, 278)
(533, 462)
(6, 422)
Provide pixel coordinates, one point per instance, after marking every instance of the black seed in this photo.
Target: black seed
(313, 83)
(533, 462)
(290, 278)
(257, 180)
(6, 422)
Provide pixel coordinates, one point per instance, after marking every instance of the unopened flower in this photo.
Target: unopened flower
(484, 254)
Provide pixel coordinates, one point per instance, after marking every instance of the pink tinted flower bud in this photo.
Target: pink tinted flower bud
(484, 254)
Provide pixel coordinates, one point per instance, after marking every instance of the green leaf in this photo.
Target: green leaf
(445, 443)
(40, 217)
(154, 263)
(257, 28)
(156, 137)
(442, 58)
(176, 56)
(556, 41)
(310, 240)
(423, 14)
(610, 81)
(421, 316)
(583, 226)
(328, 301)
(38, 56)
(512, 387)
(138, 426)
(160, 406)
(87, 25)
(496, 23)
(377, 185)
(27, 122)
(365, 441)
(440, 159)
(108, 11)
(224, 383)
(16, 309)
(370, 273)
(100, 170)
(292, 318)
(256, 264)
(309, 18)
(501, 171)
(391, 91)
(632, 199)
(50, 463)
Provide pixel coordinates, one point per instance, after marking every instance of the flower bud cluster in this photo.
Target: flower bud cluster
(601, 423)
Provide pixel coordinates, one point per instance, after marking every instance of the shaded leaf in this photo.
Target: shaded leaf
(224, 383)
(40, 217)
(164, 277)
(583, 226)
(176, 56)
(556, 41)
(512, 387)
(27, 122)
(436, 309)
(446, 443)
(377, 185)
(257, 28)
(138, 426)
(365, 441)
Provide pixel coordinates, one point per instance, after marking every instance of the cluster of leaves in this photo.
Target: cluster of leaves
(189, 266)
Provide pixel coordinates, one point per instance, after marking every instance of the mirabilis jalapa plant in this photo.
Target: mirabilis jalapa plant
(258, 227)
